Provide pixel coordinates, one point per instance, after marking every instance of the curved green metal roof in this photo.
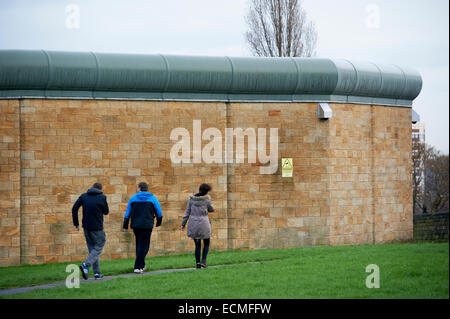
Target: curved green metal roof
(52, 74)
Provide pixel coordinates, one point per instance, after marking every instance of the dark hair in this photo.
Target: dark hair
(143, 186)
(97, 185)
(204, 188)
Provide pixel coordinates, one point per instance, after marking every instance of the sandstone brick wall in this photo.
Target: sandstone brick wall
(269, 211)
(9, 182)
(370, 174)
(351, 182)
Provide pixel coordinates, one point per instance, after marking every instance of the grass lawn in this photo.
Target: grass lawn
(416, 270)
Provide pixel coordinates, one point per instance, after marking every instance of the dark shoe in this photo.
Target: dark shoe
(98, 276)
(84, 270)
(198, 266)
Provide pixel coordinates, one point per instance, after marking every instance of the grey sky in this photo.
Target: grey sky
(411, 33)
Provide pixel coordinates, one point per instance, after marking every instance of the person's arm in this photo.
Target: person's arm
(126, 218)
(75, 209)
(187, 213)
(158, 211)
(210, 207)
(106, 207)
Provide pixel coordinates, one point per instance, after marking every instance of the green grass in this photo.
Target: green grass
(417, 270)
(32, 275)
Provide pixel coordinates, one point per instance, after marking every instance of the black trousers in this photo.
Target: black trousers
(142, 246)
(198, 247)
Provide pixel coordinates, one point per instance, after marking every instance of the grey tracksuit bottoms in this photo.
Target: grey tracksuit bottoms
(95, 240)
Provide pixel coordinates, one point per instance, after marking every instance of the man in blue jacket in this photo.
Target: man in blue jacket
(94, 207)
(142, 209)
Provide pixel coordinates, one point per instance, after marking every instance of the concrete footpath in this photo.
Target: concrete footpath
(18, 290)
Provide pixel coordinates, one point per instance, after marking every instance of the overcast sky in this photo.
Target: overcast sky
(411, 33)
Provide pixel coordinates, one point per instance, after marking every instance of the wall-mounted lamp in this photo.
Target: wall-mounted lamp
(324, 111)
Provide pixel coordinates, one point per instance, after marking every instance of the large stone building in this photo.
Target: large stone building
(68, 120)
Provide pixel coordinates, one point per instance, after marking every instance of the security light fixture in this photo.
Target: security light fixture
(324, 111)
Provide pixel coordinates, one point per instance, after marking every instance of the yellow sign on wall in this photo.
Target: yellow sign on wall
(287, 167)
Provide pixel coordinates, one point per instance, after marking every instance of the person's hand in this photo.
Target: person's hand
(125, 229)
(77, 228)
(181, 227)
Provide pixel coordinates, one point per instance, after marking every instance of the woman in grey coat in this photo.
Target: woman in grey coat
(199, 227)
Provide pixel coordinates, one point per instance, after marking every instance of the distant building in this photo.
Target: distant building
(418, 147)
(418, 131)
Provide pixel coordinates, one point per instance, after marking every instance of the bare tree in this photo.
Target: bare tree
(430, 178)
(436, 181)
(279, 28)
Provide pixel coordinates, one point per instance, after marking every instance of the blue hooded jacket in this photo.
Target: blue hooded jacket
(142, 208)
